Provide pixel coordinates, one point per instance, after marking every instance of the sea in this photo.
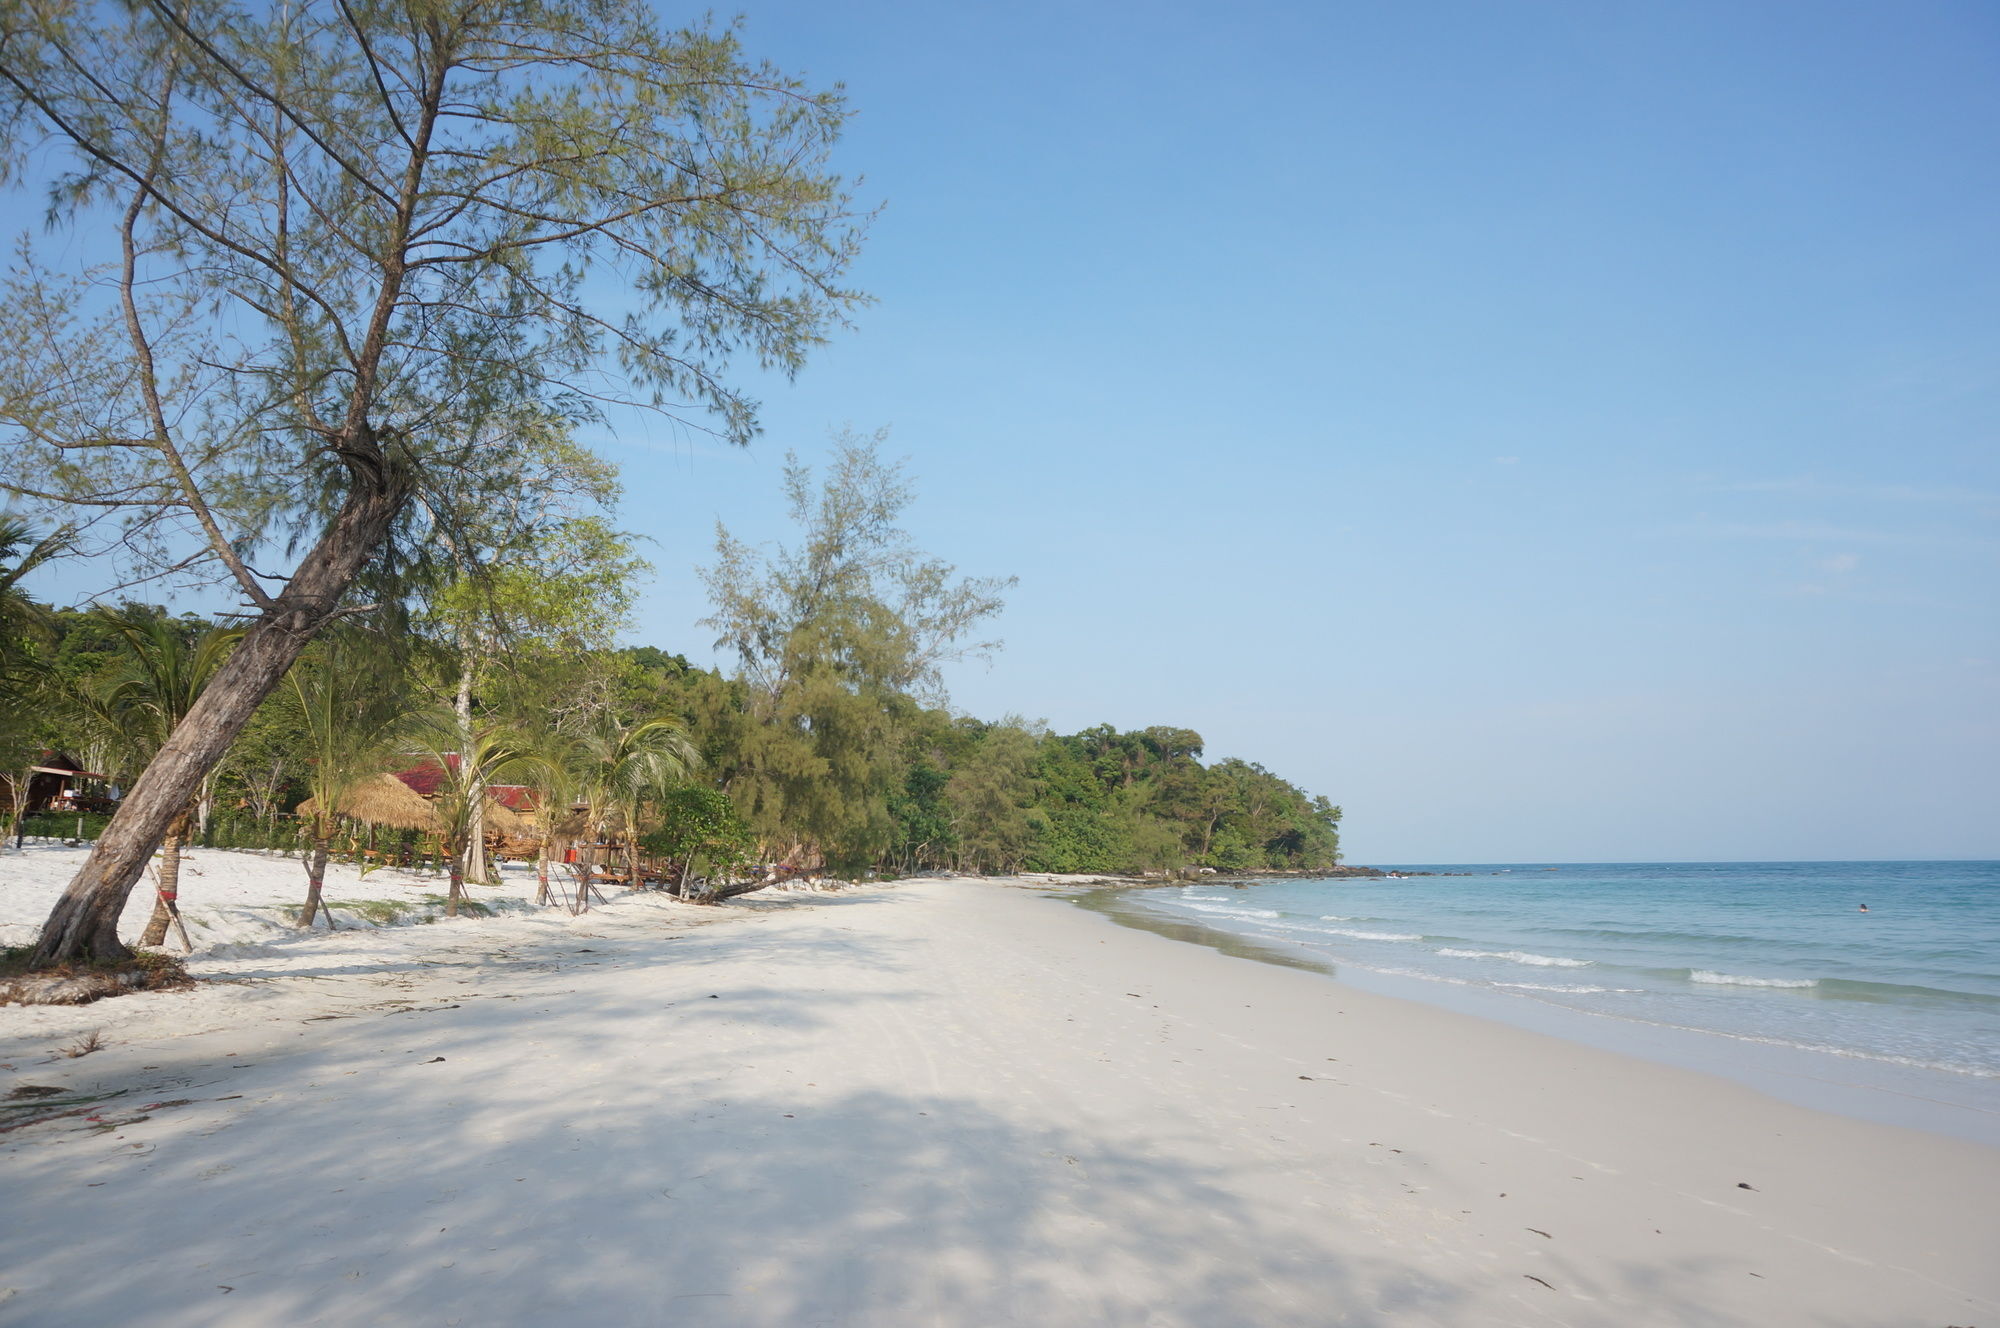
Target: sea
(1772, 973)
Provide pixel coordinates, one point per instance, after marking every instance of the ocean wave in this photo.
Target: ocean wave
(1657, 937)
(1898, 993)
(1421, 974)
(1266, 927)
(1231, 911)
(1970, 1069)
(1736, 980)
(1376, 935)
(1575, 988)
(1336, 917)
(1520, 957)
(1563, 988)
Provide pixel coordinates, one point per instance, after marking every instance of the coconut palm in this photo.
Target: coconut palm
(467, 763)
(164, 666)
(350, 714)
(620, 767)
(554, 779)
(22, 550)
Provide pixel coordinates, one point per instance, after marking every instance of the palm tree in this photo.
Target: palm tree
(351, 714)
(467, 763)
(554, 778)
(621, 767)
(166, 665)
(22, 550)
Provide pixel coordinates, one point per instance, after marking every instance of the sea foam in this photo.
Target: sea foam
(1232, 912)
(1518, 957)
(1736, 980)
(1572, 988)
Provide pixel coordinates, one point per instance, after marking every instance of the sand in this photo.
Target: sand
(938, 1103)
(231, 900)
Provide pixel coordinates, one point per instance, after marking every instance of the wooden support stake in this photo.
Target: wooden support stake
(174, 917)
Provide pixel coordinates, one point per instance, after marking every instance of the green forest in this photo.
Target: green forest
(831, 744)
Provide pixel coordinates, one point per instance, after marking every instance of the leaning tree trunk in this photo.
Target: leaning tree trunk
(166, 899)
(719, 891)
(83, 925)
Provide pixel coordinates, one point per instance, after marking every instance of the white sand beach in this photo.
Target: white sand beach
(941, 1103)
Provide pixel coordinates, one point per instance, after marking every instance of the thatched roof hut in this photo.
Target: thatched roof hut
(382, 800)
(403, 800)
(569, 826)
(504, 819)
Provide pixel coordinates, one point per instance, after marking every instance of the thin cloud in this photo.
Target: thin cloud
(1949, 495)
(1804, 532)
(1820, 532)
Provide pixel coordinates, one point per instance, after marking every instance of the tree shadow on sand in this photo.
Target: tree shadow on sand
(871, 1208)
(631, 1198)
(598, 1151)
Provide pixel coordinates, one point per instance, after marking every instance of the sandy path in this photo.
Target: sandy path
(940, 1104)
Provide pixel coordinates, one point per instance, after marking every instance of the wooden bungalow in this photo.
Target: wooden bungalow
(57, 782)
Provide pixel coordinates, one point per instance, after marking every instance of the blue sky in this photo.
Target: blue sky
(1557, 431)
(1553, 431)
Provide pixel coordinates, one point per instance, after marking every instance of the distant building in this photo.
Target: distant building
(57, 782)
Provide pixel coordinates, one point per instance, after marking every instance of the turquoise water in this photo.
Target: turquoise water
(1773, 955)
